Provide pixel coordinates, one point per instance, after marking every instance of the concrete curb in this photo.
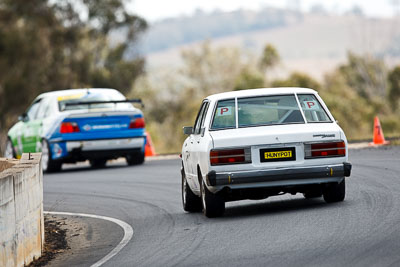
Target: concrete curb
(358, 145)
(163, 157)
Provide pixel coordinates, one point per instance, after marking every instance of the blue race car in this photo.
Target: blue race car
(78, 125)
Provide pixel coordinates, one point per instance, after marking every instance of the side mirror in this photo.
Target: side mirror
(24, 117)
(188, 130)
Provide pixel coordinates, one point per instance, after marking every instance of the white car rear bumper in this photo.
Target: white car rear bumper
(280, 176)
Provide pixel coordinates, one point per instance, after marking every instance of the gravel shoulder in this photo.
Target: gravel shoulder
(76, 241)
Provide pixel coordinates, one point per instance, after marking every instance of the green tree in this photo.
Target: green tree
(297, 79)
(170, 104)
(249, 79)
(354, 113)
(269, 58)
(173, 96)
(211, 70)
(394, 87)
(47, 45)
(252, 77)
(366, 74)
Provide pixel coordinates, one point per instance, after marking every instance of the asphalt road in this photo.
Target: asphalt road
(364, 230)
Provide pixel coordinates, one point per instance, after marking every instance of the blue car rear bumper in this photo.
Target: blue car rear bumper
(78, 147)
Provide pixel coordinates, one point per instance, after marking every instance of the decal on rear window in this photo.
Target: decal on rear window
(310, 105)
(224, 116)
(224, 111)
(312, 109)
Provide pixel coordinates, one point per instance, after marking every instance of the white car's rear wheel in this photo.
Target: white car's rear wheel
(213, 204)
(48, 164)
(9, 151)
(190, 202)
(312, 194)
(335, 192)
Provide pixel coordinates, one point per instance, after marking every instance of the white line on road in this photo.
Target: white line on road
(128, 233)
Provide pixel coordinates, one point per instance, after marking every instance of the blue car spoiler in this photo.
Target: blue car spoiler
(89, 103)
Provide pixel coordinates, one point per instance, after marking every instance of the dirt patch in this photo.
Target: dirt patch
(55, 240)
(77, 241)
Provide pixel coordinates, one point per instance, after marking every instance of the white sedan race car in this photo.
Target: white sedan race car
(253, 144)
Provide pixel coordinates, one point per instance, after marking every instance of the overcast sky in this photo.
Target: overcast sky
(154, 10)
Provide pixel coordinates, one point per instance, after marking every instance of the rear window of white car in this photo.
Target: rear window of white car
(268, 110)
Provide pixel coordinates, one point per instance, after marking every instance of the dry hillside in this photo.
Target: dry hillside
(314, 44)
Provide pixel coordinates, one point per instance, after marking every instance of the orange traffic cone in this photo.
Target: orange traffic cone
(149, 149)
(379, 139)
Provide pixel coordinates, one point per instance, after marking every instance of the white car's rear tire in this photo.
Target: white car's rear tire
(312, 194)
(335, 192)
(213, 204)
(190, 202)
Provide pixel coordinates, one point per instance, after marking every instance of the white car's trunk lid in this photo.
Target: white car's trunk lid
(276, 137)
(279, 134)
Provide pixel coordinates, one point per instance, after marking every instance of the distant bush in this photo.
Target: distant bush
(355, 92)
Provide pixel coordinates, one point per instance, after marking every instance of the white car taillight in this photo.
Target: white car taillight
(230, 156)
(325, 150)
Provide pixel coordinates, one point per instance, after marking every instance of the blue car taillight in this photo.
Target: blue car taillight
(69, 127)
(137, 123)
